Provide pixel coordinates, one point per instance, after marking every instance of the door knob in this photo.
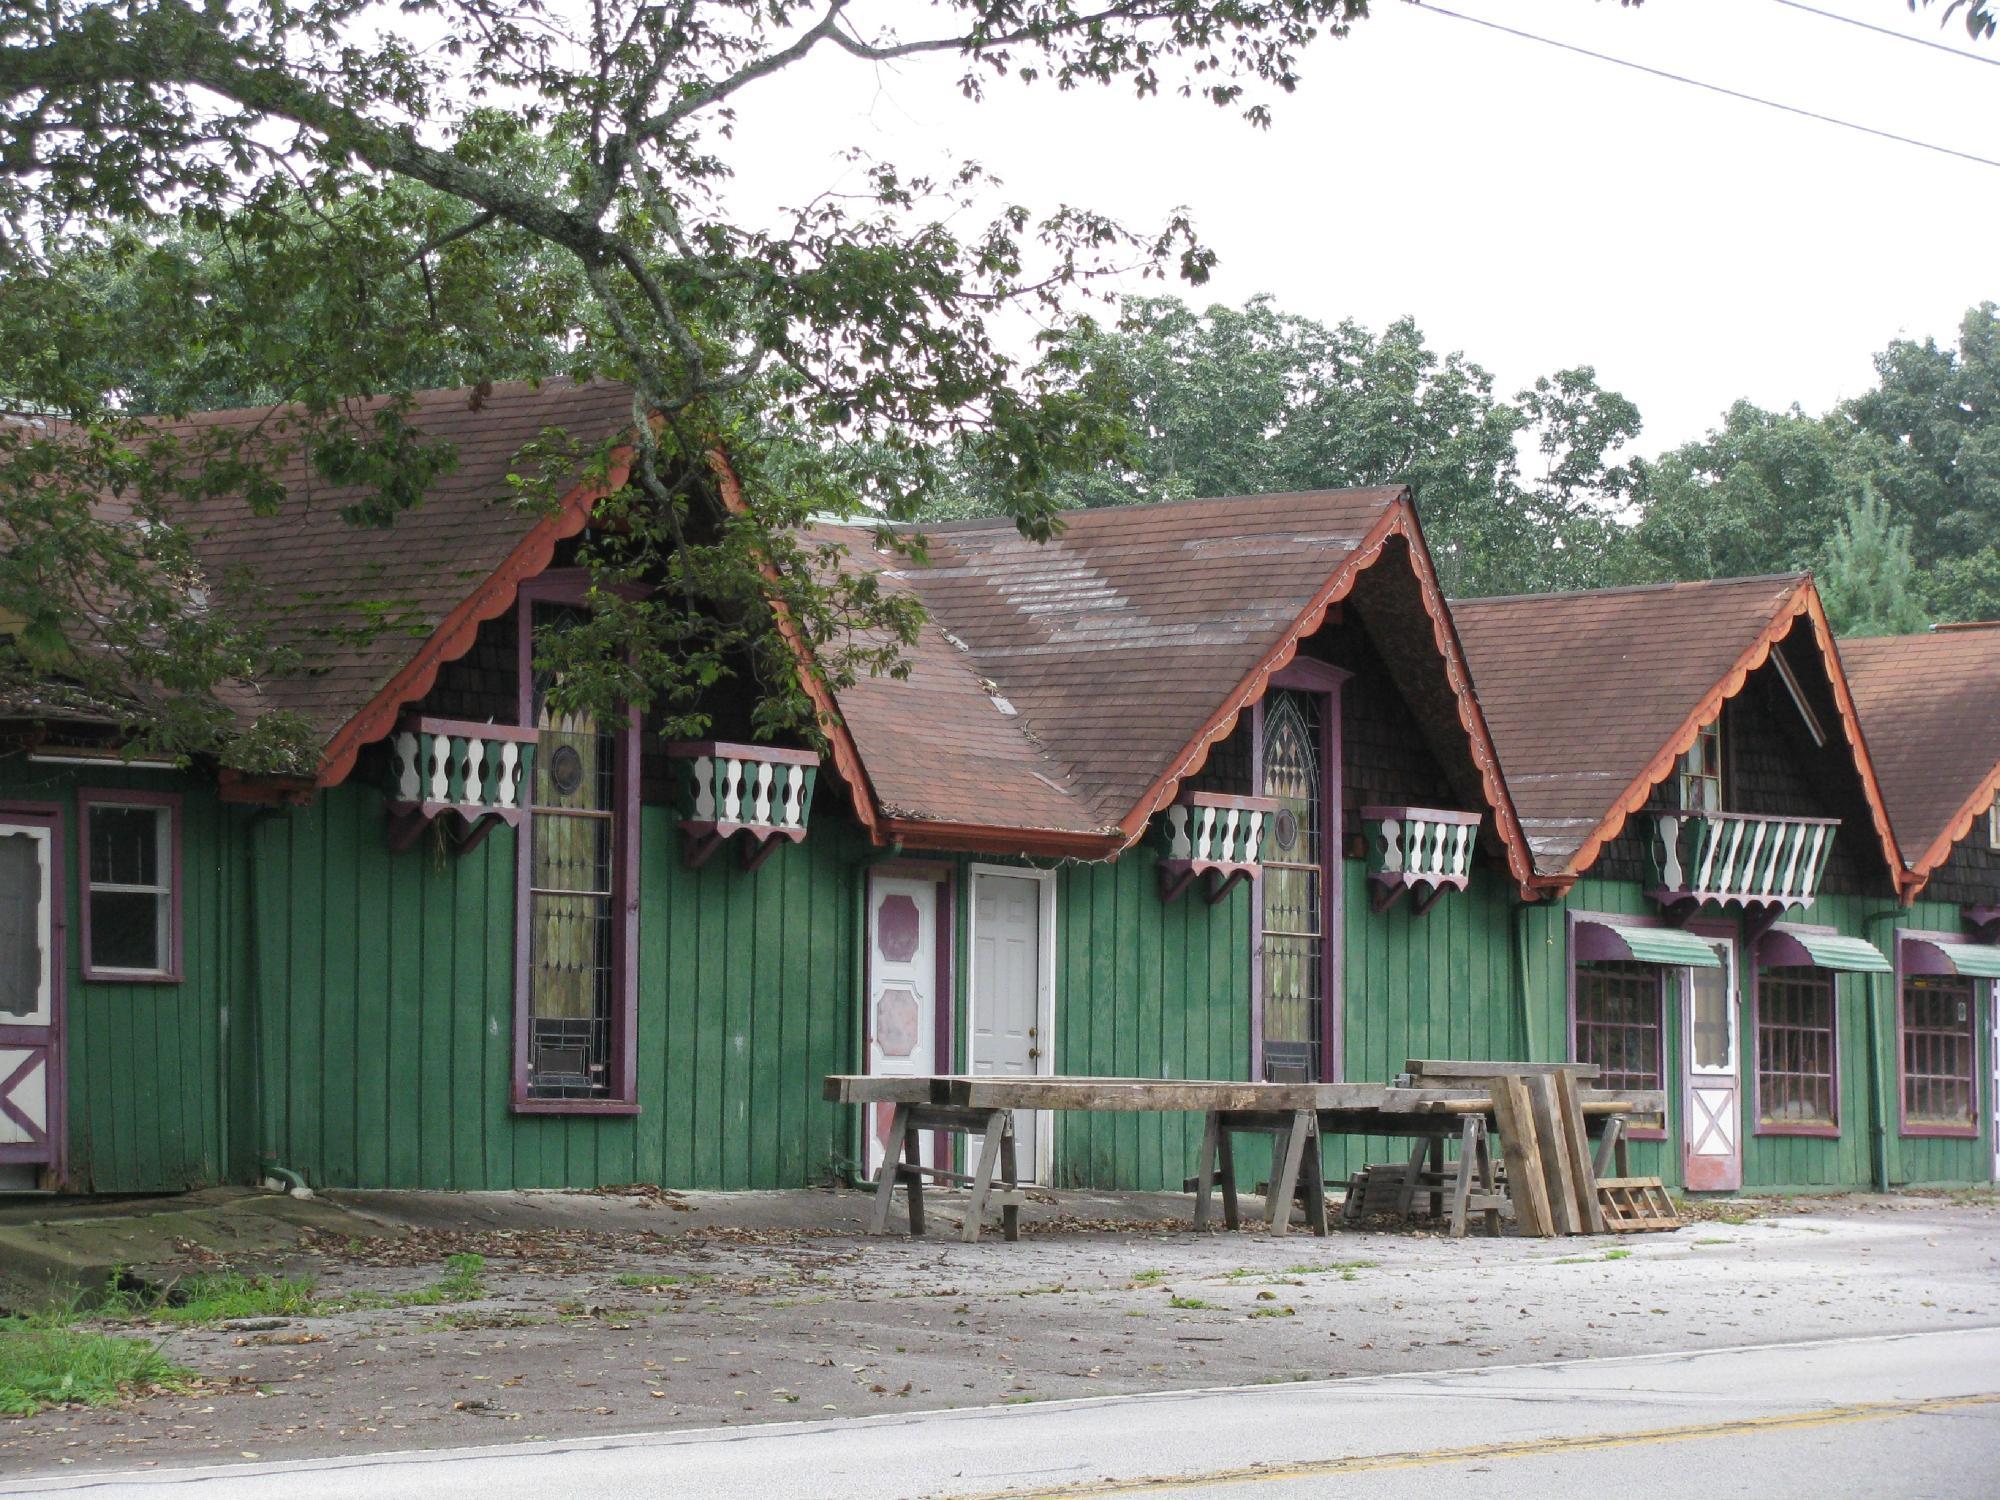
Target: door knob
(1033, 1053)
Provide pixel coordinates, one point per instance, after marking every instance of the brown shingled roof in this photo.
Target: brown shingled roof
(1592, 696)
(1931, 704)
(445, 567)
(1082, 678)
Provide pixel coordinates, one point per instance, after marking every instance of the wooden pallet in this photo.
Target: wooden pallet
(1634, 1204)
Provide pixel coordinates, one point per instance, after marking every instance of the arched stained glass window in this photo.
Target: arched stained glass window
(1294, 889)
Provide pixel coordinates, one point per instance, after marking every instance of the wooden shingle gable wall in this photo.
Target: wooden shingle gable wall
(1594, 696)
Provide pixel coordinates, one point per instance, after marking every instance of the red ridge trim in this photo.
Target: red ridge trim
(455, 633)
(982, 838)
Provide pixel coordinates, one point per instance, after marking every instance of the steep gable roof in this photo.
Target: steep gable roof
(373, 612)
(1932, 707)
(1086, 676)
(1593, 696)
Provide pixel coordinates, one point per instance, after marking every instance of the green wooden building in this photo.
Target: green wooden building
(1189, 791)
(1208, 789)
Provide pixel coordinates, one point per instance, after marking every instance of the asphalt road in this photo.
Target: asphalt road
(1915, 1414)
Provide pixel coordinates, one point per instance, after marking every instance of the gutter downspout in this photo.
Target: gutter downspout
(1878, 1073)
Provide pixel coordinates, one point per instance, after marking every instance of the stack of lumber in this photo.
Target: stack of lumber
(1551, 1177)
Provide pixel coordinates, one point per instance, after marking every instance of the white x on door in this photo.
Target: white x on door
(1711, 1124)
(30, 962)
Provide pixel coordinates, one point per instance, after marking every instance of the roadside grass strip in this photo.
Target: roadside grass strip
(44, 1362)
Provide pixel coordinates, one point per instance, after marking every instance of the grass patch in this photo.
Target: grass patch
(43, 1364)
(217, 1297)
(1279, 1311)
(1716, 1239)
(1591, 1260)
(1191, 1304)
(464, 1280)
(1148, 1277)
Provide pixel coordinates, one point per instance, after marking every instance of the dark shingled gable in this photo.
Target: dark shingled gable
(321, 583)
(1590, 695)
(1931, 707)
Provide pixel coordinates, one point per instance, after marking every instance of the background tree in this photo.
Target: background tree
(1254, 400)
(843, 344)
(1868, 583)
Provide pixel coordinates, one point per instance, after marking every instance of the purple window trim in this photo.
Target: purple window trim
(1572, 920)
(1754, 997)
(88, 798)
(1306, 675)
(1926, 1129)
(572, 586)
(56, 1037)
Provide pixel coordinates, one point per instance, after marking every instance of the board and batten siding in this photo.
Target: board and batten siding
(145, 1104)
(386, 1028)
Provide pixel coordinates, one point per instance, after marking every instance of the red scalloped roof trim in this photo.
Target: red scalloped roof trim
(1399, 520)
(456, 632)
(846, 755)
(1804, 602)
(1957, 828)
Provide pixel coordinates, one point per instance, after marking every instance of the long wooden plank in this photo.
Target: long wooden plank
(1552, 1137)
(1522, 1155)
(1590, 1211)
(1438, 1067)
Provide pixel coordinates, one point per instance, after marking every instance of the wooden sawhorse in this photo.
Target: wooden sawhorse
(902, 1161)
(1295, 1166)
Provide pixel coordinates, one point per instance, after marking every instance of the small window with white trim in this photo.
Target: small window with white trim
(1700, 771)
(1993, 822)
(130, 870)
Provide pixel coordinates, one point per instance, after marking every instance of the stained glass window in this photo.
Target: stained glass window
(1294, 889)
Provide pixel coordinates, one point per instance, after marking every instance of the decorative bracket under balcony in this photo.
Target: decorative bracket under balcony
(1766, 867)
(474, 776)
(1983, 920)
(758, 791)
(1427, 850)
(1213, 835)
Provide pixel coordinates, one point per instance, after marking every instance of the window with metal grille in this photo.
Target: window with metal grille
(1618, 1023)
(1940, 1052)
(578, 948)
(1798, 1068)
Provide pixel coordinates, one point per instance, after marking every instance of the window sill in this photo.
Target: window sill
(1946, 1132)
(131, 976)
(575, 1107)
(1783, 1127)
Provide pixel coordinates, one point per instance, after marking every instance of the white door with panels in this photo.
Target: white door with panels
(30, 961)
(1712, 1116)
(1011, 1004)
(902, 996)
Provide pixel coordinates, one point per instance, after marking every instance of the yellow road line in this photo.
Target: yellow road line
(1832, 1416)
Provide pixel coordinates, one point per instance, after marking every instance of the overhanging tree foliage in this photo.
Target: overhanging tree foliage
(572, 155)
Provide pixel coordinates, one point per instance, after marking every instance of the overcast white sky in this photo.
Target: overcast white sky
(1535, 208)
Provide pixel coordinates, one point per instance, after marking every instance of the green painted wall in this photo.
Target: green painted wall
(386, 1028)
(1145, 988)
(145, 1075)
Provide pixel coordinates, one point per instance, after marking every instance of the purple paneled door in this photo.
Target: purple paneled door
(1712, 1119)
(902, 994)
(30, 1008)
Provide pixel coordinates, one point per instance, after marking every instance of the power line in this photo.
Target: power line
(1713, 88)
(1901, 36)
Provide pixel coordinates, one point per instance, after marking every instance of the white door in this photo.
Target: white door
(1993, 1087)
(1010, 1002)
(29, 933)
(902, 995)
(1712, 1120)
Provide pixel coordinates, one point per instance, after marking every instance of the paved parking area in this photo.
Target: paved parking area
(605, 1317)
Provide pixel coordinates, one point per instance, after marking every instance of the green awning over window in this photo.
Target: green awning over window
(1825, 950)
(1973, 960)
(1603, 938)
